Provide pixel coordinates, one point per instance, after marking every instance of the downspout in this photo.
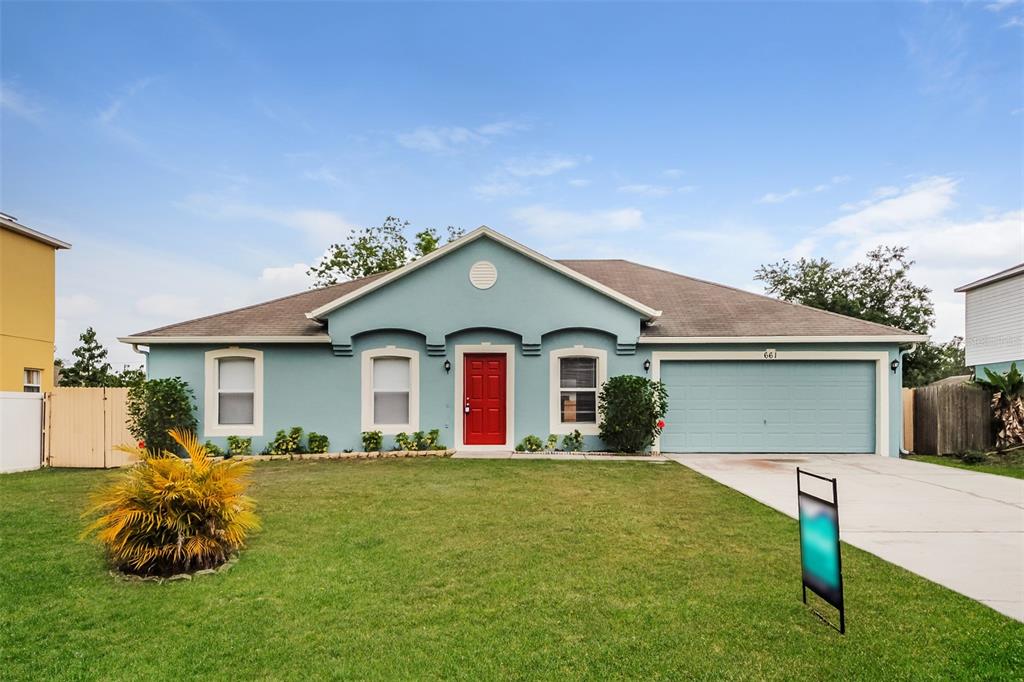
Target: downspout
(904, 353)
(144, 353)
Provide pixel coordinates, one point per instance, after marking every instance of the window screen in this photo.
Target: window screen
(391, 383)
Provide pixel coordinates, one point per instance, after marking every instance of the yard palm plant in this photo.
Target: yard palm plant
(1008, 405)
(168, 515)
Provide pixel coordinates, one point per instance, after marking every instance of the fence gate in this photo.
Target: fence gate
(82, 426)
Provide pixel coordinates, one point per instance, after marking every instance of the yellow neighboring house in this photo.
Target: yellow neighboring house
(27, 306)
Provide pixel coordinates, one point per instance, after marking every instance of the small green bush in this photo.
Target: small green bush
(287, 442)
(404, 442)
(432, 441)
(157, 406)
(632, 412)
(530, 443)
(214, 450)
(972, 457)
(238, 446)
(551, 443)
(373, 441)
(572, 441)
(318, 443)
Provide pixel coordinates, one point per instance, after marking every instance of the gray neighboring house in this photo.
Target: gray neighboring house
(994, 311)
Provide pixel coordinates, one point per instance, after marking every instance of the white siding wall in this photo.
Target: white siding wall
(21, 428)
(995, 322)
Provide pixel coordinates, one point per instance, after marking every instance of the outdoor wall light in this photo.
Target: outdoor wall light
(647, 365)
(447, 366)
(894, 365)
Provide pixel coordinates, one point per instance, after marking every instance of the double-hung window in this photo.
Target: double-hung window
(390, 390)
(32, 381)
(576, 378)
(234, 392)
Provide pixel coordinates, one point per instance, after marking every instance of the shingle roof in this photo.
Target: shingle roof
(697, 308)
(690, 308)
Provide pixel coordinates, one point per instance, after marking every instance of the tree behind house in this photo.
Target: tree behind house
(372, 250)
(877, 290)
(91, 369)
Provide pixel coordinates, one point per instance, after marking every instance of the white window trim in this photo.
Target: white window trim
(366, 420)
(24, 380)
(556, 426)
(880, 358)
(510, 394)
(211, 427)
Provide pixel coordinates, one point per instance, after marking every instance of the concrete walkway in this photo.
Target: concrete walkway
(961, 529)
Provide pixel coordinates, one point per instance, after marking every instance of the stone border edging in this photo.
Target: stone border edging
(384, 454)
(132, 578)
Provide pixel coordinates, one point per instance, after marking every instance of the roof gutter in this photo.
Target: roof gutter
(892, 338)
(151, 340)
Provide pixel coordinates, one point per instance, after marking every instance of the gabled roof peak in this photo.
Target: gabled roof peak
(468, 238)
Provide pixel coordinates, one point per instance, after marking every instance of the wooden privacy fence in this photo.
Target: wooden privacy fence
(951, 417)
(82, 426)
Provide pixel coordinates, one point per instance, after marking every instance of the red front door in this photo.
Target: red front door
(484, 399)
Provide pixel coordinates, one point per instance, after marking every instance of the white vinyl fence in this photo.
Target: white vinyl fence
(21, 429)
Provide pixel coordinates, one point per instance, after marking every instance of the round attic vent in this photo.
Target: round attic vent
(483, 274)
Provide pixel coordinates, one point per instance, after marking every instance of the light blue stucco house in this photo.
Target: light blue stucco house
(490, 341)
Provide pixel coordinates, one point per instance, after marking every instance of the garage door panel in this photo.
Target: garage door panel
(779, 406)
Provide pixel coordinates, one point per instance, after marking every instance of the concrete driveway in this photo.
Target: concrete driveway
(961, 529)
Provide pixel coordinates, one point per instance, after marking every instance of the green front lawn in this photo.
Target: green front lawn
(476, 570)
(1005, 464)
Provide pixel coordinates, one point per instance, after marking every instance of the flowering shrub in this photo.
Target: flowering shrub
(632, 412)
(572, 442)
(238, 446)
(286, 443)
(373, 441)
(530, 443)
(157, 406)
(318, 443)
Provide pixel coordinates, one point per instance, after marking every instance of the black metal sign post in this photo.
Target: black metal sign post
(821, 563)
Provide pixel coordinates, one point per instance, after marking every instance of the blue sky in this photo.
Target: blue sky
(200, 156)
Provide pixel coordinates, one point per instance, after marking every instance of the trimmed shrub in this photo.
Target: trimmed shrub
(287, 442)
(551, 443)
(158, 406)
(572, 442)
(530, 443)
(373, 441)
(632, 412)
(214, 450)
(168, 515)
(239, 447)
(318, 443)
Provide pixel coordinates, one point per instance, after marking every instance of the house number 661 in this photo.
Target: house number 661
(770, 354)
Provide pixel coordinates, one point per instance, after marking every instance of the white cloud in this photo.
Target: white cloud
(779, 197)
(1014, 22)
(325, 175)
(1000, 5)
(112, 110)
(173, 306)
(539, 165)
(656, 190)
(320, 227)
(18, 103)
(544, 220)
(287, 276)
(446, 139)
(495, 188)
(579, 182)
(948, 251)
(892, 206)
(76, 306)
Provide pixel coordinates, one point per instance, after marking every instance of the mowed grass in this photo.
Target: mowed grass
(476, 570)
(1005, 464)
